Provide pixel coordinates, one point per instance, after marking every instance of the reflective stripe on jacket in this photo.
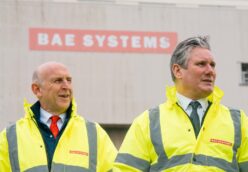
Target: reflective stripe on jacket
(163, 139)
(14, 157)
(83, 147)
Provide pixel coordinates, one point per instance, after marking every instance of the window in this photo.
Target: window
(244, 73)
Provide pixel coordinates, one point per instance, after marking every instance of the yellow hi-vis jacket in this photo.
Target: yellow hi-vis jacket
(163, 140)
(83, 147)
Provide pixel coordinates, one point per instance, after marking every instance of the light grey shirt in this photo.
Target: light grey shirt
(185, 101)
(45, 118)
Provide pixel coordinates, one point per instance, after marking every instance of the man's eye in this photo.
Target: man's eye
(201, 64)
(57, 81)
(213, 65)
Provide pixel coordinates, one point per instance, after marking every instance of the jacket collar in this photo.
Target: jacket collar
(214, 97)
(33, 110)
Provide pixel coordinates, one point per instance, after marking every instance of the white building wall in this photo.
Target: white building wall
(113, 88)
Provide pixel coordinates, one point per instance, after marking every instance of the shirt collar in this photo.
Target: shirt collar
(45, 116)
(185, 101)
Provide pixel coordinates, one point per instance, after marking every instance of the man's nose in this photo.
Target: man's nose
(210, 68)
(66, 84)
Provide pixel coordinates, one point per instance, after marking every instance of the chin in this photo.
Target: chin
(207, 92)
(207, 88)
(64, 105)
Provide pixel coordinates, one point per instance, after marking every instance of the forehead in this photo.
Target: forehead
(198, 54)
(54, 71)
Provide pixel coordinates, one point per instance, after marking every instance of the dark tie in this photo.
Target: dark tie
(195, 117)
(54, 127)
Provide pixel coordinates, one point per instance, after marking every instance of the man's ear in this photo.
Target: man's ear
(177, 71)
(36, 89)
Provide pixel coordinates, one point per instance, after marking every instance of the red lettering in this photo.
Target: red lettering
(78, 152)
(221, 142)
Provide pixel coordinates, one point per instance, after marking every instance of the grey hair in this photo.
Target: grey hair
(180, 55)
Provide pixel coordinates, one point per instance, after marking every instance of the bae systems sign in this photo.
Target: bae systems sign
(101, 40)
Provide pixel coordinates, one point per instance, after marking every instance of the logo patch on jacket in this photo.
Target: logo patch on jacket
(221, 142)
(79, 152)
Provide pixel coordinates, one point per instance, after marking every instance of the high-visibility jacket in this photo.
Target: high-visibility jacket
(162, 139)
(83, 147)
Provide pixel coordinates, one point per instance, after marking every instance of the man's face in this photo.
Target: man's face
(197, 80)
(55, 90)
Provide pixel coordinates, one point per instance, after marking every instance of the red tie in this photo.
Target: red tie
(53, 127)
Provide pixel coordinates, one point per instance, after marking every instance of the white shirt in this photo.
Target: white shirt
(45, 118)
(185, 101)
